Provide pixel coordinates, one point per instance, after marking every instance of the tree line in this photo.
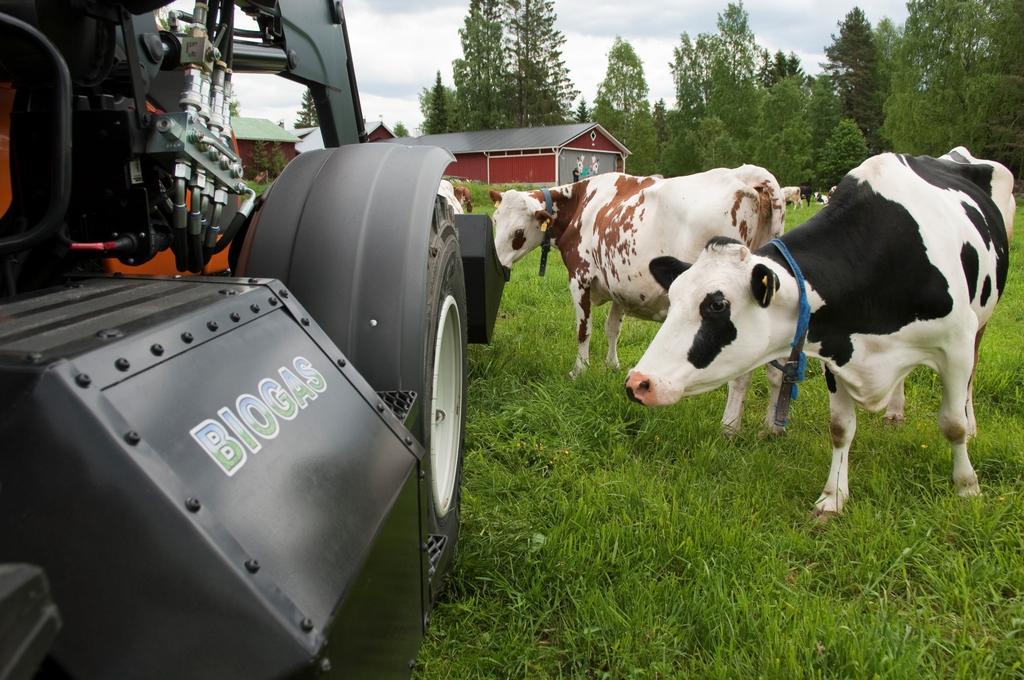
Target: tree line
(952, 74)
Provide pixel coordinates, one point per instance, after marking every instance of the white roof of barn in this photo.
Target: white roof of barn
(515, 139)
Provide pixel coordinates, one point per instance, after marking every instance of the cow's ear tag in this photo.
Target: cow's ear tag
(544, 225)
(497, 203)
(763, 284)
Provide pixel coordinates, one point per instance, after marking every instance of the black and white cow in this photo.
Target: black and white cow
(903, 267)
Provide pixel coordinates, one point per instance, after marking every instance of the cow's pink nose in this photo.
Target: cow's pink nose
(638, 387)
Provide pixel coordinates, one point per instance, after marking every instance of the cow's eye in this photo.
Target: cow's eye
(718, 305)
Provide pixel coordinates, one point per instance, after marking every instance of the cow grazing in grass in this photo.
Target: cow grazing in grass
(609, 227)
(903, 267)
(792, 195)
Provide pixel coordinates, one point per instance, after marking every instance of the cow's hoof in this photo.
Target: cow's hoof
(612, 364)
(827, 506)
(771, 430)
(968, 488)
(730, 429)
(577, 372)
(822, 517)
(895, 419)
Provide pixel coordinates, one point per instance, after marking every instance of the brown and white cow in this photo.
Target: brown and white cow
(609, 227)
(903, 267)
(792, 195)
(463, 196)
(446, 191)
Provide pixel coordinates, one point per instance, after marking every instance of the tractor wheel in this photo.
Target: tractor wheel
(443, 405)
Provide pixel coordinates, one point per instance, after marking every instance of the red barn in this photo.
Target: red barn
(252, 131)
(539, 155)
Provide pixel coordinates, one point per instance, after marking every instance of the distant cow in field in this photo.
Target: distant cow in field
(791, 195)
(607, 228)
(451, 196)
(806, 191)
(903, 267)
(464, 197)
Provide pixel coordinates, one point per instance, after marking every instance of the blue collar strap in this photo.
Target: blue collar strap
(795, 368)
(545, 245)
(548, 203)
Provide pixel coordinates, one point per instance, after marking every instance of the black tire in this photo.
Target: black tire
(444, 444)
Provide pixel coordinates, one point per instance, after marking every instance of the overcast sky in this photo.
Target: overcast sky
(398, 45)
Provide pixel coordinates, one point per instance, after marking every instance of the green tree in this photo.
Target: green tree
(958, 78)
(621, 106)
(438, 106)
(714, 146)
(823, 115)
(540, 91)
(583, 114)
(679, 156)
(481, 74)
(716, 75)
(662, 133)
(853, 67)
(844, 150)
(307, 112)
(778, 67)
(400, 130)
(784, 135)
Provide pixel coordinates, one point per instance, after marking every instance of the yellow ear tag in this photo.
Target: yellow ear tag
(544, 225)
(767, 291)
(497, 203)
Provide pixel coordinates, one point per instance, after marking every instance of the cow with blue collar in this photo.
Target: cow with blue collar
(608, 227)
(903, 267)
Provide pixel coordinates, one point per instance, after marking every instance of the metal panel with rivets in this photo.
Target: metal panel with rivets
(223, 479)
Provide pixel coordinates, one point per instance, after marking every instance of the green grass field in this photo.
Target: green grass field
(604, 540)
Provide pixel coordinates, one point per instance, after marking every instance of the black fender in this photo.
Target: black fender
(347, 230)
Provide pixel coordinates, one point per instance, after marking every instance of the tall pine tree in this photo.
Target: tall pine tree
(307, 112)
(583, 114)
(481, 75)
(437, 106)
(853, 67)
(541, 92)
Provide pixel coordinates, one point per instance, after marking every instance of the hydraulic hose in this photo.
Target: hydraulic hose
(60, 161)
(195, 233)
(240, 218)
(179, 243)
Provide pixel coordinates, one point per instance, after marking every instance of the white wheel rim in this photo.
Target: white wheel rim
(446, 406)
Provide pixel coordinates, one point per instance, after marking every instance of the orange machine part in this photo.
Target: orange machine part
(6, 104)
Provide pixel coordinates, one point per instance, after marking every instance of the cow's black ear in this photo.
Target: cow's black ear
(763, 284)
(666, 268)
